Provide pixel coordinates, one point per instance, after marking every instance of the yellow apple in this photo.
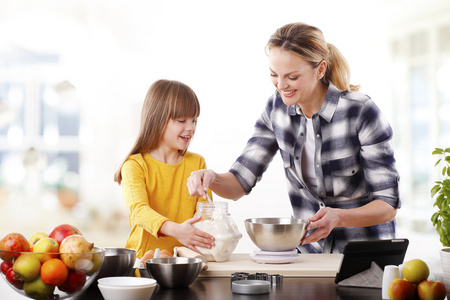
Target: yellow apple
(35, 238)
(27, 266)
(415, 270)
(46, 248)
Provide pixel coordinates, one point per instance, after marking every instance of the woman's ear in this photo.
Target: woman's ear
(321, 69)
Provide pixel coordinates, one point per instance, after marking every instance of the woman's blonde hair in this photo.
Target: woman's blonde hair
(309, 43)
(165, 100)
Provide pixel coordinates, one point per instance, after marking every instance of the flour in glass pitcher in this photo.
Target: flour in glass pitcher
(217, 222)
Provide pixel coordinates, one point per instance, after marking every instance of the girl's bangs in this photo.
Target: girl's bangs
(187, 106)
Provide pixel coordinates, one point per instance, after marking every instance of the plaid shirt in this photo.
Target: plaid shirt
(353, 159)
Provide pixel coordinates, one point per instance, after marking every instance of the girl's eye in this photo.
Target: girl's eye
(181, 120)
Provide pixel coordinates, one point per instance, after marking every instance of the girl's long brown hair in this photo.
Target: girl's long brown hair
(165, 100)
(309, 43)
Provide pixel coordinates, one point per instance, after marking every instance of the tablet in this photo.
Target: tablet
(358, 255)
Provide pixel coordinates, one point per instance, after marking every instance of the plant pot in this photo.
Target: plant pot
(445, 261)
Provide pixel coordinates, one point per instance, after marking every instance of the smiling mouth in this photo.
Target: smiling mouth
(288, 93)
(186, 138)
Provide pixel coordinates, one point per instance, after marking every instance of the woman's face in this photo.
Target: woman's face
(178, 133)
(295, 79)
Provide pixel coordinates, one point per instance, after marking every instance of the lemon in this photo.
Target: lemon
(415, 270)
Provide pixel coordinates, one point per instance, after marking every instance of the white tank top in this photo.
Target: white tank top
(308, 170)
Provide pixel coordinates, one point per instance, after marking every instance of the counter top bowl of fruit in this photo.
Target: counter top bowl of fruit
(48, 269)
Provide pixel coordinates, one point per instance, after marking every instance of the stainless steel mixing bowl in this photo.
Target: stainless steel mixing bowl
(117, 262)
(276, 234)
(174, 272)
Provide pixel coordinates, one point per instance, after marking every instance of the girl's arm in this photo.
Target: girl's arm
(187, 234)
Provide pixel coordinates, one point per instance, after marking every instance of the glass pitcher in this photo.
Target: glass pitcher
(217, 221)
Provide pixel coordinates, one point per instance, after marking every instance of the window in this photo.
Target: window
(39, 124)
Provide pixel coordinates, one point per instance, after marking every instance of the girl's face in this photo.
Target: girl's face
(178, 133)
(294, 78)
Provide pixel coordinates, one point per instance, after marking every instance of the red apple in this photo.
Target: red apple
(431, 290)
(5, 266)
(74, 282)
(400, 289)
(60, 232)
(14, 279)
(13, 242)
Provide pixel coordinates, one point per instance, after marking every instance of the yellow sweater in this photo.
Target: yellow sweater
(155, 192)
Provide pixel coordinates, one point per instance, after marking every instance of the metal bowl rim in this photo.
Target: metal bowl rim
(173, 261)
(257, 221)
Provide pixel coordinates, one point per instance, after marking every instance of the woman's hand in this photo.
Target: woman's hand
(188, 235)
(325, 220)
(199, 181)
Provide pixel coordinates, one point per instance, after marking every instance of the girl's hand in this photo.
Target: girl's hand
(188, 235)
(199, 181)
(325, 220)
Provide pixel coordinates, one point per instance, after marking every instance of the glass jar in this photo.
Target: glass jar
(217, 222)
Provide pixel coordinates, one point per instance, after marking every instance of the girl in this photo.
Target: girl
(154, 175)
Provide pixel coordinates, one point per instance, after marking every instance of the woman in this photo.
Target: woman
(334, 142)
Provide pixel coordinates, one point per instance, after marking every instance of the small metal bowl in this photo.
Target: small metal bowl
(276, 234)
(174, 272)
(117, 262)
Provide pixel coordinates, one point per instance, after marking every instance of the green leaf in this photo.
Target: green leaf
(434, 218)
(439, 200)
(447, 150)
(444, 171)
(435, 189)
(437, 151)
(437, 162)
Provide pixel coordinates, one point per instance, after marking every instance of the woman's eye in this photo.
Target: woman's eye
(293, 78)
(181, 120)
(273, 75)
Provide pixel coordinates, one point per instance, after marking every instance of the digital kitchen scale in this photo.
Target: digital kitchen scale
(274, 257)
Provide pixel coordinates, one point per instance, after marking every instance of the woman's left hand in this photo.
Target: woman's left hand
(325, 220)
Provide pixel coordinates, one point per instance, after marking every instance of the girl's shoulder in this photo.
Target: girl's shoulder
(134, 160)
(193, 156)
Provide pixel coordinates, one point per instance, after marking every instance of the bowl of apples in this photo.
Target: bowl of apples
(49, 266)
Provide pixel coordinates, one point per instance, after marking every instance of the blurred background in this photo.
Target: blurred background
(74, 74)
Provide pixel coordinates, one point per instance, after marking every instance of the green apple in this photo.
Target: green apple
(96, 263)
(35, 238)
(27, 266)
(37, 289)
(46, 248)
